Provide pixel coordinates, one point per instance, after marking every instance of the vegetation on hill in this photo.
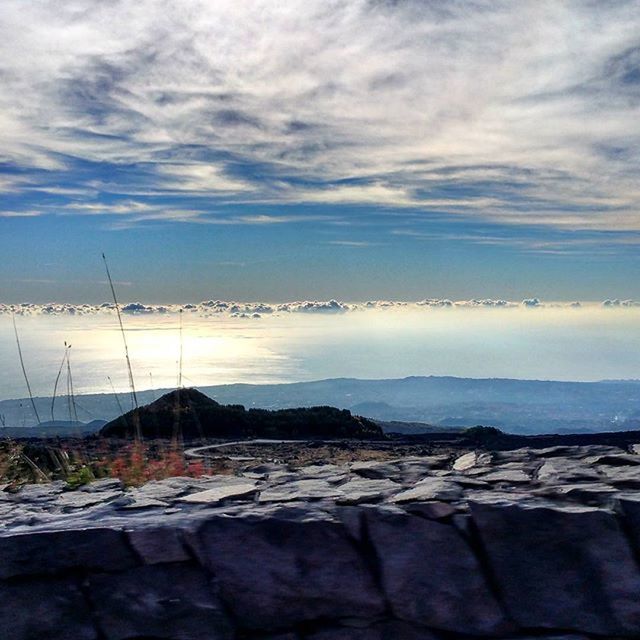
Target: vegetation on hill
(189, 414)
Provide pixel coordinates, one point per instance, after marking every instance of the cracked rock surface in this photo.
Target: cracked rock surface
(527, 543)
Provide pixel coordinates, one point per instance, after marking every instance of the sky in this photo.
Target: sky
(319, 149)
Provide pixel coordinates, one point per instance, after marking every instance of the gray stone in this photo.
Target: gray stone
(163, 490)
(378, 470)
(430, 575)
(429, 489)
(561, 568)
(574, 452)
(586, 493)
(415, 468)
(516, 455)
(54, 551)
(105, 484)
(393, 630)
(36, 493)
(615, 460)
(264, 469)
(561, 470)
(174, 601)
(129, 503)
(299, 490)
(466, 461)
(47, 609)
(282, 566)
(230, 491)
(623, 477)
(156, 545)
(507, 476)
(82, 500)
(322, 471)
(468, 482)
(360, 490)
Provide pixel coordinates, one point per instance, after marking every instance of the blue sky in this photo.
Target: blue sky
(353, 150)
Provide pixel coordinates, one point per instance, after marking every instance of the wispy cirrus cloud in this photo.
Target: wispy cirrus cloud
(518, 114)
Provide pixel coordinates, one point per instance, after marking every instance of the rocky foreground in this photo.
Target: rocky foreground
(525, 543)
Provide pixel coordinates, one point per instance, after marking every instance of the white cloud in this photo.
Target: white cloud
(261, 309)
(199, 177)
(529, 109)
(620, 303)
(19, 214)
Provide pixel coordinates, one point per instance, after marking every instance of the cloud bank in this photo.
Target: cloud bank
(260, 309)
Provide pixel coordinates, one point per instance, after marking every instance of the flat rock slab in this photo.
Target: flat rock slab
(586, 493)
(623, 477)
(84, 499)
(415, 468)
(105, 484)
(361, 490)
(284, 566)
(37, 493)
(465, 461)
(429, 489)
(430, 575)
(562, 470)
(561, 568)
(130, 503)
(391, 470)
(300, 490)
(163, 490)
(615, 460)
(228, 491)
(508, 476)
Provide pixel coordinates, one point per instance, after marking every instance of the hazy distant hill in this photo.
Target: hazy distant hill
(517, 406)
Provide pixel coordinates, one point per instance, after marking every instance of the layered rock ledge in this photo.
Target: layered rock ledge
(521, 544)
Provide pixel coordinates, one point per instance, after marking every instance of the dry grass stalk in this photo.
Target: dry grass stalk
(71, 400)
(24, 371)
(134, 398)
(55, 385)
(115, 395)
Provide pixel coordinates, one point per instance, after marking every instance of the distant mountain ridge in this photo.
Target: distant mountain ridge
(515, 406)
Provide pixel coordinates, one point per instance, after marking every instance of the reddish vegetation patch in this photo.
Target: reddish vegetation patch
(138, 463)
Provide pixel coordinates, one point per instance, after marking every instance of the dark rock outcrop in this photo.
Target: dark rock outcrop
(174, 601)
(418, 556)
(561, 567)
(358, 551)
(189, 414)
(297, 566)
